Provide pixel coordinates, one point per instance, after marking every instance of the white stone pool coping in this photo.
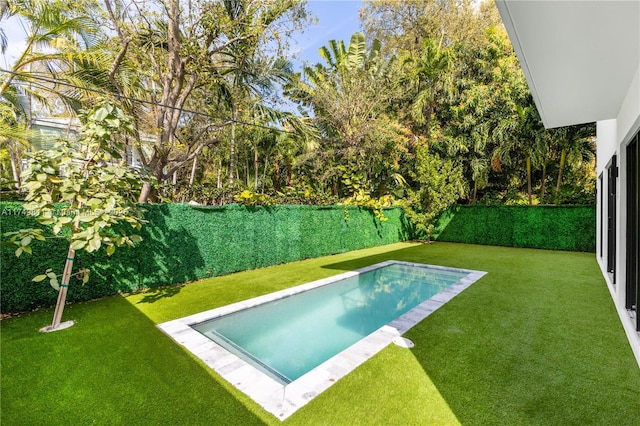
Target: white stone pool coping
(284, 400)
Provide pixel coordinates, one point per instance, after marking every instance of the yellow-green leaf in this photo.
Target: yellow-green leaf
(78, 244)
(54, 283)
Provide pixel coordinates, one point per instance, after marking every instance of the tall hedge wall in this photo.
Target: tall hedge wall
(570, 228)
(184, 243)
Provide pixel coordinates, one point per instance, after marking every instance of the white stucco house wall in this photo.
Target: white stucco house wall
(582, 63)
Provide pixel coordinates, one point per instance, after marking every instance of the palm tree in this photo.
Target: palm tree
(432, 80)
(521, 134)
(57, 36)
(4, 13)
(348, 95)
(573, 142)
(14, 133)
(246, 81)
(188, 56)
(65, 28)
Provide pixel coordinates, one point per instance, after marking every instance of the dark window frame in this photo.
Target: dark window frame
(612, 175)
(632, 287)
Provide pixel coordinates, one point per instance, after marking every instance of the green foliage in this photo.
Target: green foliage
(249, 198)
(354, 183)
(441, 183)
(79, 192)
(184, 243)
(544, 227)
(304, 196)
(98, 193)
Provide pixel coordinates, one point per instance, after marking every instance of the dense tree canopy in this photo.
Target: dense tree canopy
(427, 107)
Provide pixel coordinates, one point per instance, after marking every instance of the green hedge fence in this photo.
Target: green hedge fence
(184, 243)
(570, 228)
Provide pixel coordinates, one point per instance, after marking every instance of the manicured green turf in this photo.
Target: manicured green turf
(536, 341)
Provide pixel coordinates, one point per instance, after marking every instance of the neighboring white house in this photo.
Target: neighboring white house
(48, 130)
(582, 63)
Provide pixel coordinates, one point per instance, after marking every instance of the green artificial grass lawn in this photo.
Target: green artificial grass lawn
(535, 341)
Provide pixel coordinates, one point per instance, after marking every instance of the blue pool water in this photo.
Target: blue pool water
(288, 337)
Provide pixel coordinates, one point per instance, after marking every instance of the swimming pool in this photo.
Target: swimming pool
(284, 348)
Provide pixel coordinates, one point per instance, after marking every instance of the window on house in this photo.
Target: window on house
(612, 174)
(601, 195)
(632, 299)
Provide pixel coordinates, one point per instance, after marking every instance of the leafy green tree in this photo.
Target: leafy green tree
(56, 35)
(521, 136)
(97, 193)
(440, 184)
(349, 94)
(404, 25)
(183, 49)
(60, 28)
(575, 142)
(430, 81)
(490, 109)
(14, 134)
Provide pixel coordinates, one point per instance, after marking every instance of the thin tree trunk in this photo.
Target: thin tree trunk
(193, 171)
(529, 180)
(475, 192)
(219, 174)
(544, 178)
(256, 165)
(288, 165)
(62, 293)
(276, 176)
(563, 159)
(246, 169)
(15, 163)
(232, 152)
(64, 285)
(264, 172)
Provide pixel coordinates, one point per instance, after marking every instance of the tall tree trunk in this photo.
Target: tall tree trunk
(246, 169)
(276, 176)
(146, 193)
(232, 150)
(475, 192)
(264, 172)
(16, 167)
(288, 165)
(193, 171)
(529, 179)
(255, 168)
(563, 159)
(543, 186)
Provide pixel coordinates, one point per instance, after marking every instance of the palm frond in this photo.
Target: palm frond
(356, 54)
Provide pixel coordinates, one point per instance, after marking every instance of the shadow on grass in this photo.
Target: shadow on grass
(535, 341)
(112, 367)
(152, 295)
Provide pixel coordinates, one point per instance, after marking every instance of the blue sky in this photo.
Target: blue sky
(337, 20)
